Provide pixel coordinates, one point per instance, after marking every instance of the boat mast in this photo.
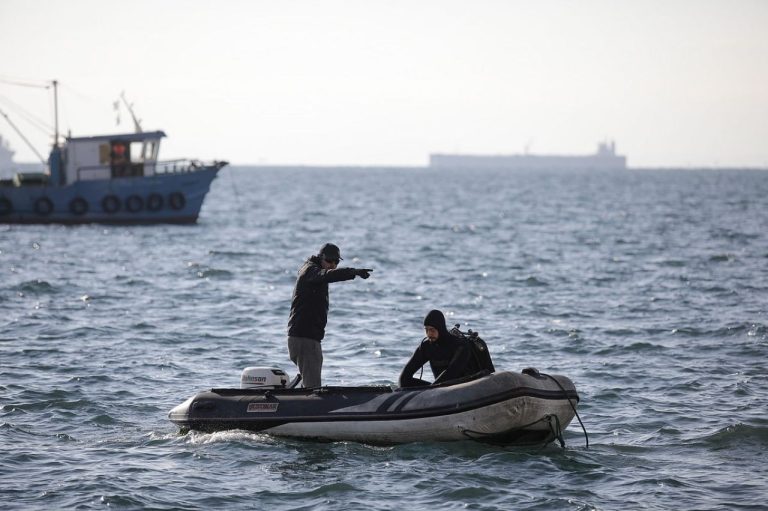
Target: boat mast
(55, 113)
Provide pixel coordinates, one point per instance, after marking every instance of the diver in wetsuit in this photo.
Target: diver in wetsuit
(449, 357)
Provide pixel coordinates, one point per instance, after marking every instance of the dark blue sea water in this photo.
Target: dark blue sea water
(648, 288)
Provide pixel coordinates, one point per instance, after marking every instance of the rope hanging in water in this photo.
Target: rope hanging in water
(586, 437)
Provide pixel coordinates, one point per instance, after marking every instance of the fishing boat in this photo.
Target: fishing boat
(114, 179)
(507, 408)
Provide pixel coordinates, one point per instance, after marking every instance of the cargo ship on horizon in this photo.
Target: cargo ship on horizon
(605, 158)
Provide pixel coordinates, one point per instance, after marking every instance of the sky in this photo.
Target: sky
(680, 83)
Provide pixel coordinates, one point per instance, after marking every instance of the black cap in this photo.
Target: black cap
(330, 251)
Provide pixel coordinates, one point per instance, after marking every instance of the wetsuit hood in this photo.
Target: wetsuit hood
(436, 319)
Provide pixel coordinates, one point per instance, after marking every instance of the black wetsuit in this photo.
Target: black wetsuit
(449, 358)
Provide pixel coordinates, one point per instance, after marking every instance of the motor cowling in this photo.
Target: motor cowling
(263, 377)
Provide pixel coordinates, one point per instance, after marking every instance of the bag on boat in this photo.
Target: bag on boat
(479, 348)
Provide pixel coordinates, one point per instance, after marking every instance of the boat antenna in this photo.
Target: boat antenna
(26, 141)
(136, 122)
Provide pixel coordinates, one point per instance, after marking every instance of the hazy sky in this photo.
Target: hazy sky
(674, 82)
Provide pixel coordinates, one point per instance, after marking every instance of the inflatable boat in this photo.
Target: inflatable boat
(507, 408)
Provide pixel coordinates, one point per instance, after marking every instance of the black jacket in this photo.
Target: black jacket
(449, 358)
(309, 306)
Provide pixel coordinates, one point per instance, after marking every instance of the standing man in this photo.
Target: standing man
(309, 310)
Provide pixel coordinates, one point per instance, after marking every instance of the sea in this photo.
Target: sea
(648, 288)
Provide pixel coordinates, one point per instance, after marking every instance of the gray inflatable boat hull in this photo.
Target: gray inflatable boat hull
(503, 407)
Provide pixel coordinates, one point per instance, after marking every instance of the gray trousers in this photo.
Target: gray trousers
(307, 354)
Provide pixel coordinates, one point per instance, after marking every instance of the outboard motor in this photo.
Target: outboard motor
(263, 377)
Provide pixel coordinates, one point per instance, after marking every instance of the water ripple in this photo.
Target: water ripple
(647, 288)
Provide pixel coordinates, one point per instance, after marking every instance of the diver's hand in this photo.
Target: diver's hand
(363, 273)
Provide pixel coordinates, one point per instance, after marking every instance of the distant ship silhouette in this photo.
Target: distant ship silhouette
(604, 159)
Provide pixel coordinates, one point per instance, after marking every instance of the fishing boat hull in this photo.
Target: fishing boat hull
(161, 198)
(504, 407)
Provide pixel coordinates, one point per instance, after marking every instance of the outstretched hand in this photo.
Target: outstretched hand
(363, 273)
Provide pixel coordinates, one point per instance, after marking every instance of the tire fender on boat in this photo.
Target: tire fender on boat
(78, 206)
(110, 204)
(43, 206)
(177, 200)
(154, 202)
(134, 203)
(6, 206)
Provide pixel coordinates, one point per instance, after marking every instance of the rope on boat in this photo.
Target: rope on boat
(556, 429)
(586, 437)
(553, 421)
(549, 419)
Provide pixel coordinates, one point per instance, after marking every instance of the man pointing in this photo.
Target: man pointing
(309, 310)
